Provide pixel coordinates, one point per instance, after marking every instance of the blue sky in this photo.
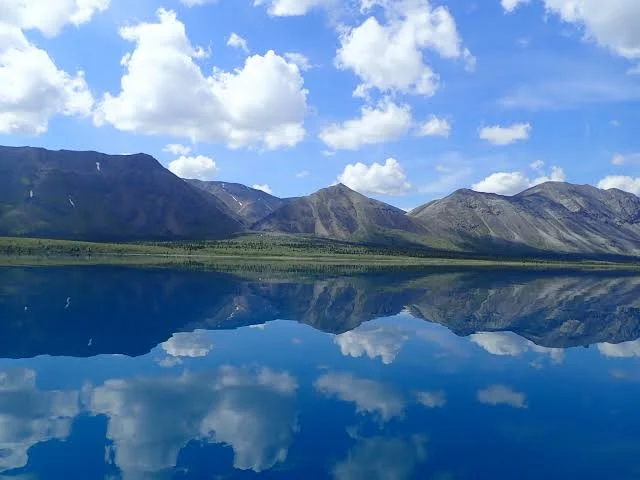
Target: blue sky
(403, 100)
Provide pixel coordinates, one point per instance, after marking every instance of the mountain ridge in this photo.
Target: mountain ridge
(98, 197)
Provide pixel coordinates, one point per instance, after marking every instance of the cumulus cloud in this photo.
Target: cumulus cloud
(435, 127)
(261, 104)
(386, 122)
(612, 24)
(620, 350)
(511, 183)
(369, 396)
(250, 410)
(390, 56)
(502, 395)
(292, 8)
(498, 135)
(263, 188)
(33, 88)
(620, 159)
(381, 458)
(376, 179)
(49, 17)
(199, 167)
(236, 41)
(303, 174)
(432, 399)
(627, 184)
(302, 61)
(384, 342)
(177, 149)
(512, 345)
(188, 344)
(30, 416)
(510, 5)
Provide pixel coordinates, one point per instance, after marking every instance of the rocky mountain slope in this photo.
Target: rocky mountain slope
(340, 213)
(552, 217)
(248, 204)
(92, 196)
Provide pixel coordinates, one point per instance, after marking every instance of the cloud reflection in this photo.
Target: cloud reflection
(369, 396)
(152, 419)
(384, 342)
(29, 416)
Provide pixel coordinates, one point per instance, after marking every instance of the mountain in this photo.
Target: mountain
(553, 217)
(340, 213)
(92, 196)
(248, 204)
(133, 310)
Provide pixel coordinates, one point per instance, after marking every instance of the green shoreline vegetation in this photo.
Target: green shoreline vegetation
(265, 252)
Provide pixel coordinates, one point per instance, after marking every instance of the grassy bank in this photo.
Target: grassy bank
(253, 252)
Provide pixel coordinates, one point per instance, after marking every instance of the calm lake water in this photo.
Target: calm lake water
(110, 373)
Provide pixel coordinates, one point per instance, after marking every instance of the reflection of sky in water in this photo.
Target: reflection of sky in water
(397, 397)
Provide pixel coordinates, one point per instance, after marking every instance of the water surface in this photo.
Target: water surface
(112, 373)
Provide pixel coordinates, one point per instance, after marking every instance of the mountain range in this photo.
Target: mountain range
(98, 197)
(133, 310)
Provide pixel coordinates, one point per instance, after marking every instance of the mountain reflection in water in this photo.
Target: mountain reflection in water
(133, 373)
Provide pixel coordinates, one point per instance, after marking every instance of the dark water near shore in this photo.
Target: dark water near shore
(121, 373)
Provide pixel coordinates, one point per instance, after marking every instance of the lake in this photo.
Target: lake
(110, 373)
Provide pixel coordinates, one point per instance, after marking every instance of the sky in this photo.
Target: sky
(402, 100)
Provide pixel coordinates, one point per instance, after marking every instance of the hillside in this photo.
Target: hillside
(92, 196)
(552, 217)
(248, 204)
(340, 213)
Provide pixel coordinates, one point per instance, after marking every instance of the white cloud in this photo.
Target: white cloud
(250, 410)
(510, 344)
(557, 175)
(177, 149)
(382, 458)
(538, 166)
(627, 184)
(498, 135)
(292, 8)
(188, 344)
(511, 183)
(263, 188)
(432, 399)
(33, 88)
(236, 41)
(510, 5)
(49, 17)
(391, 56)
(621, 350)
(634, 70)
(384, 342)
(199, 167)
(30, 416)
(302, 61)
(620, 159)
(435, 127)
(377, 179)
(303, 174)
(612, 24)
(502, 395)
(368, 395)
(262, 104)
(503, 183)
(386, 122)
